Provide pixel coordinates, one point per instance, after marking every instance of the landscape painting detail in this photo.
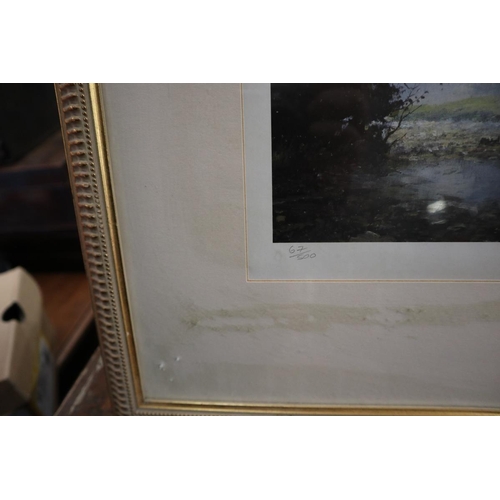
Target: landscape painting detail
(391, 162)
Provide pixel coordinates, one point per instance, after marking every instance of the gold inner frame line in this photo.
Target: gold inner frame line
(215, 407)
(104, 168)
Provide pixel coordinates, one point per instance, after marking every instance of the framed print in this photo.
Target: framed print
(291, 248)
(330, 166)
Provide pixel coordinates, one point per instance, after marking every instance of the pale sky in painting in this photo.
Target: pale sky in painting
(449, 92)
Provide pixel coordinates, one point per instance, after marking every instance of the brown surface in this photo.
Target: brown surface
(67, 303)
(36, 192)
(38, 228)
(50, 153)
(89, 395)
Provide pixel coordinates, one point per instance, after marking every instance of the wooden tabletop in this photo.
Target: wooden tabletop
(67, 303)
(89, 395)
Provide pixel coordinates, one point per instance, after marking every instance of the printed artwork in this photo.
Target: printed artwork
(392, 162)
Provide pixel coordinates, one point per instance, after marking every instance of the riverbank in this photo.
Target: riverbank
(425, 140)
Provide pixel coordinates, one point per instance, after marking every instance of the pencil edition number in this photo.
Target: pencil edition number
(300, 252)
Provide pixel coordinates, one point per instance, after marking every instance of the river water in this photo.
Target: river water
(447, 200)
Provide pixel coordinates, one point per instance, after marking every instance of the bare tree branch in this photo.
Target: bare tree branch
(407, 109)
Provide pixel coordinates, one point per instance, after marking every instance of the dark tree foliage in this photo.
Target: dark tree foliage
(348, 120)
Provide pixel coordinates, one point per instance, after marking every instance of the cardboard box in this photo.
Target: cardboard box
(27, 372)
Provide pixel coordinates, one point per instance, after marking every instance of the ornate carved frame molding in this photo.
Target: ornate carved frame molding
(77, 127)
(88, 165)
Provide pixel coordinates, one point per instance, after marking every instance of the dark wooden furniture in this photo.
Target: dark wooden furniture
(68, 307)
(89, 395)
(67, 304)
(38, 227)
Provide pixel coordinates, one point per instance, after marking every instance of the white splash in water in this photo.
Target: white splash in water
(437, 206)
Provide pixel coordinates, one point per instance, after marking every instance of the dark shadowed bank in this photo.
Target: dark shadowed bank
(375, 162)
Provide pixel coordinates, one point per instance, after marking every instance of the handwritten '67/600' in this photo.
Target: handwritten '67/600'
(300, 252)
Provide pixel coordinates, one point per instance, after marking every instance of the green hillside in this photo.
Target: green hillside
(486, 108)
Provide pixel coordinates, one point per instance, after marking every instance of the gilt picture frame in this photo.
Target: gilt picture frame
(166, 204)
